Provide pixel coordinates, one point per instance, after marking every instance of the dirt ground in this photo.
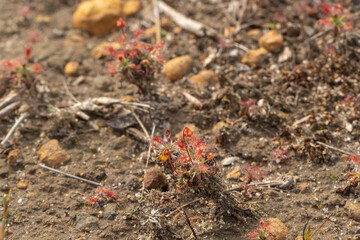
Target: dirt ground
(277, 106)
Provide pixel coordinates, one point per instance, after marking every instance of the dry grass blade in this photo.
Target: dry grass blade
(196, 102)
(6, 201)
(71, 176)
(13, 128)
(8, 108)
(8, 99)
(190, 25)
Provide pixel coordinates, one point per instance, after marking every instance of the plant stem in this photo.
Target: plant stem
(71, 176)
(187, 150)
(321, 225)
(170, 160)
(6, 201)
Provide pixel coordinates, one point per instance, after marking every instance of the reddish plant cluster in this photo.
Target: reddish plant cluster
(190, 158)
(22, 71)
(348, 100)
(280, 18)
(305, 6)
(330, 51)
(280, 155)
(136, 61)
(253, 174)
(101, 197)
(354, 177)
(25, 12)
(245, 106)
(335, 17)
(262, 232)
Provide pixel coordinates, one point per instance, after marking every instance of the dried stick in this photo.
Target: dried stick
(189, 223)
(8, 108)
(301, 120)
(157, 21)
(150, 144)
(179, 208)
(240, 46)
(69, 93)
(71, 176)
(319, 34)
(148, 156)
(242, 12)
(191, 25)
(141, 124)
(334, 148)
(274, 184)
(8, 99)
(109, 101)
(136, 104)
(13, 128)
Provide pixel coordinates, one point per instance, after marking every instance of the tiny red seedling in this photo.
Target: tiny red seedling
(348, 100)
(245, 106)
(262, 232)
(253, 174)
(22, 71)
(280, 155)
(354, 177)
(306, 7)
(101, 197)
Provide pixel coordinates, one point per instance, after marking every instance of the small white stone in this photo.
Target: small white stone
(348, 126)
(229, 160)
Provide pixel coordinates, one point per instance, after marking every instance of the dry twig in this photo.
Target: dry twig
(148, 156)
(8, 99)
(8, 108)
(334, 148)
(69, 93)
(185, 205)
(189, 223)
(71, 176)
(157, 21)
(271, 184)
(13, 128)
(188, 24)
(141, 125)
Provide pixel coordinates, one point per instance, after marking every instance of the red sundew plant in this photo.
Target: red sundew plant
(22, 71)
(190, 158)
(101, 197)
(137, 61)
(280, 155)
(253, 174)
(262, 232)
(335, 17)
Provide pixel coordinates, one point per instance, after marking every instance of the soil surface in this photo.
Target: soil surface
(272, 116)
